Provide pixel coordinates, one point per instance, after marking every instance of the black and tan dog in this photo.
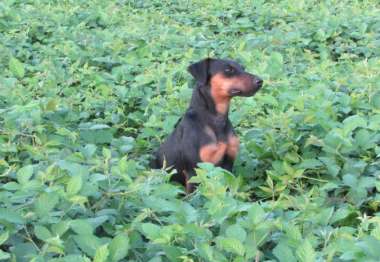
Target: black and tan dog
(204, 133)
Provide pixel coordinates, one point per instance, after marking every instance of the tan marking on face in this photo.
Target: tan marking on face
(220, 87)
(213, 153)
(219, 93)
(233, 144)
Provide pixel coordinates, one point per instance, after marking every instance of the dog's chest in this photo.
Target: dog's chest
(218, 148)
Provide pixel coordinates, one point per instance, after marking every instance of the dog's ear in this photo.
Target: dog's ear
(200, 70)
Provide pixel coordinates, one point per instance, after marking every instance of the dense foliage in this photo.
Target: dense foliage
(89, 88)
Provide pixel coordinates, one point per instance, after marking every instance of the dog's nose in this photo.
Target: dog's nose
(259, 82)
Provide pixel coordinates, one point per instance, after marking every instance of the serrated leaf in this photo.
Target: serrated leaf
(353, 122)
(45, 203)
(60, 228)
(150, 230)
(275, 64)
(119, 247)
(310, 164)
(106, 153)
(288, 169)
(52, 105)
(101, 254)
(11, 186)
(3, 237)
(340, 214)
(370, 246)
(89, 150)
(350, 180)
(375, 100)
(4, 255)
(42, 233)
(362, 138)
(236, 231)
(24, 174)
(270, 182)
(11, 216)
(375, 232)
(87, 243)
(16, 67)
(305, 252)
(206, 251)
(173, 253)
(81, 227)
(331, 165)
(74, 185)
(232, 245)
(256, 214)
(155, 259)
(293, 233)
(283, 253)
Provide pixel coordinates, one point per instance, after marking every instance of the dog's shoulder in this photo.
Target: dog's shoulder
(191, 114)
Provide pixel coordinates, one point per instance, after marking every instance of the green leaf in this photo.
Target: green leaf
(305, 252)
(206, 251)
(331, 165)
(89, 150)
(375, 232)
(87, 243)
(11, 216)
(275, 64)
(16, 67)
(45, 203)
(60, 228)
(101, 254)
(353, 122)
(256, 214)
(232, 245)
(156, 259)
(340, 214)
(375, 100)
(106, 153)
(350, 180)
(173, 253)
(236, 231)
(288, 169)
(310, 164)
(3, 237)
(293, 233)
(362, 139)
(4, 255)
(150, 230)
(119, 247)
(42, 233)
(81, 227)
(370, 246)
(52, 105)
(284, 253)
(24, 174)
(74, 185)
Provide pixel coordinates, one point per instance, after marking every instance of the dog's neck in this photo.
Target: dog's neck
(202, 102)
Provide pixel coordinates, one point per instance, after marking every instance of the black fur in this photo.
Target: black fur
(181, 149)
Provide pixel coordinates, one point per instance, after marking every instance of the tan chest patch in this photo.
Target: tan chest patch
(233, 144)
(215, 151)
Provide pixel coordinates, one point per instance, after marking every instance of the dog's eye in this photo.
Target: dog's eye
(229, 70)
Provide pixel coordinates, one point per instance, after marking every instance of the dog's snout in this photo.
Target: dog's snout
(259, 82)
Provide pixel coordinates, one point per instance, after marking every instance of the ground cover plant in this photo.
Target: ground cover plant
(88, 89)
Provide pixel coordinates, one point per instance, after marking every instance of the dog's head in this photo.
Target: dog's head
(225, 78)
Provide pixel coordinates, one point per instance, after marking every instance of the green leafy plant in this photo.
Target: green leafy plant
(88, 89)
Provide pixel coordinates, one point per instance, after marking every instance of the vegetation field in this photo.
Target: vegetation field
(89, 88)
